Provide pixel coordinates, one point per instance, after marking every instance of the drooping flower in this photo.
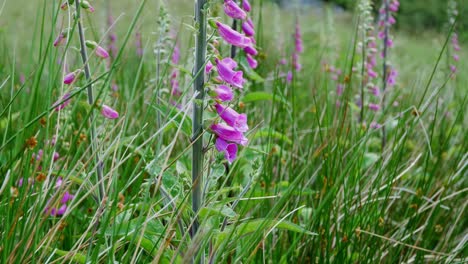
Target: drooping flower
(246, 5)
(232, 118)
(61, 38)
(101, 52)
(251, 61)
(71, 77)
(229, 149)
(229, 134)
(226, 72)
(251, 50)
(223, 93)
(233, 37)
(247, 28)
(108, 112)
(233, 10)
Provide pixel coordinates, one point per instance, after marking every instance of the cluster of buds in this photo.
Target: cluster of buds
(176, 92)
(453, 13)
(71, 77)
(369, 46)
(230, 131)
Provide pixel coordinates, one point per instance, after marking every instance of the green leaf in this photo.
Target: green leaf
(73, 256)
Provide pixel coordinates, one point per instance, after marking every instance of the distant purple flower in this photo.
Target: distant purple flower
(456, 57)
(229, 149)
(66, 101)
(375, 125)
(374, 107)
(108, 112)
(229, 134)
(67, 197)
(289, 76)
(232, 118)
(233, 10)
(233, 37)
(453, 68)
(339, 89)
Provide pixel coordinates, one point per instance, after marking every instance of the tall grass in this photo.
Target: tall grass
(312, 186)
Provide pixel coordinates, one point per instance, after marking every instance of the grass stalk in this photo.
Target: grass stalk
(94, 143)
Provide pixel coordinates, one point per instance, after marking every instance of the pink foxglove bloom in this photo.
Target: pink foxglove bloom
(67, 197)
(61, 38)
(371, 73)
(252, 62)
(247, 28)
(66, 101)
(233, 10)
(57, 211)
(56, 156)
(374, 107)
(227, 73)
(339, 89)
(101, 52)
(298, 38)
(232, 118)
(229, 134)
(70, 78)
(246, 5)
(251, 50)
(456, 57)
(289, 77)
(375, 125)
(208, 67)
(229, 149)
(453, 68)
(223, 93)
(108, 112)
(233, 37)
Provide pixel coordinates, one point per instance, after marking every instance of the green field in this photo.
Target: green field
(324, 178)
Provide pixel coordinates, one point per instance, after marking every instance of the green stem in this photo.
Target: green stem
(84, 57)
(197, 125)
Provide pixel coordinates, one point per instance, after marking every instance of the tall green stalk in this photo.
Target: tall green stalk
(384, 67)
(197, 122)
(84, 57)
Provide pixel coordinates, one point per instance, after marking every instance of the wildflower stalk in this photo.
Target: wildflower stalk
(384, 68)
(84, 57)
(197, 122)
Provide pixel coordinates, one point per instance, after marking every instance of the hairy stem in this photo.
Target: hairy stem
(197, 125)
(84, 57)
